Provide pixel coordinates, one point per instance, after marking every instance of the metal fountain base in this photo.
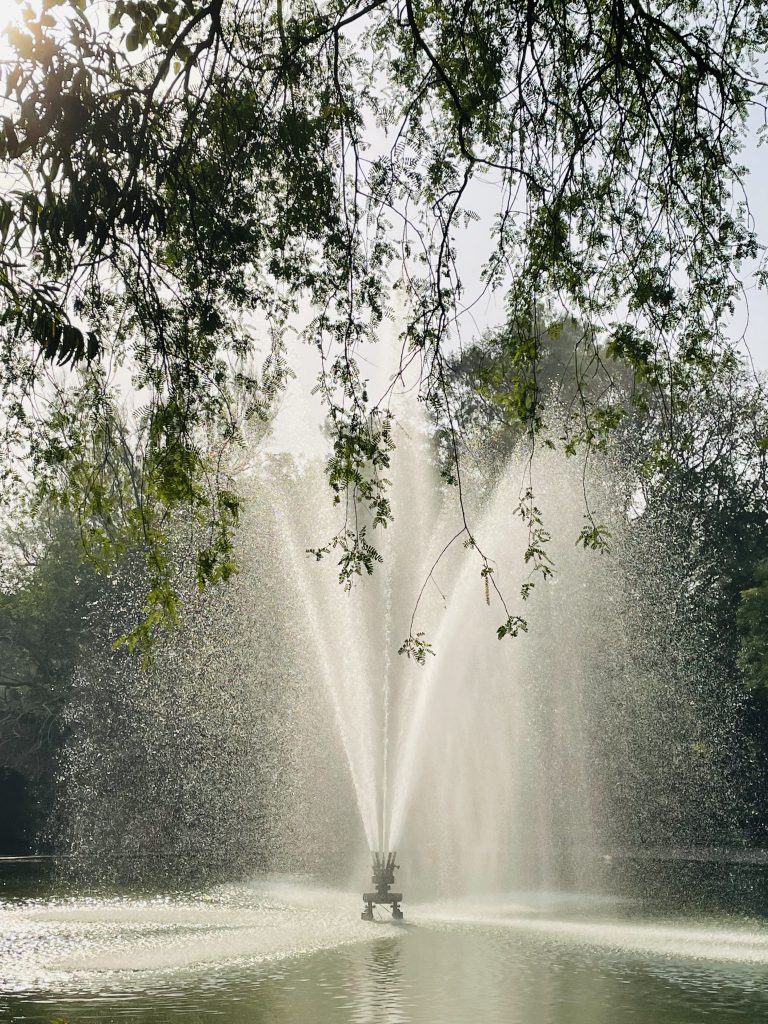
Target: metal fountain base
(392, 899)
(383, 878)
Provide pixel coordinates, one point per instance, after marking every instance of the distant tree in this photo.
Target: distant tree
(705, 462)
(703, 484)
(47, 604)
(188, 175)
(504, 386)
(753, 625)
(752, 638)
(689, 467)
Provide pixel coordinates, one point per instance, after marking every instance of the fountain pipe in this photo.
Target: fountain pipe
(383, 878)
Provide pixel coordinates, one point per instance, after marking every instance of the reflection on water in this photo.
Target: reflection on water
(378, 984)
(286, 953)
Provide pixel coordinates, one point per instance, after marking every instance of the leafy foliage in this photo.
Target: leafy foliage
(416, 647)
(188, 175)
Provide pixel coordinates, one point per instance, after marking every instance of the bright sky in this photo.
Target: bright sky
(754, 319)
(10, 13)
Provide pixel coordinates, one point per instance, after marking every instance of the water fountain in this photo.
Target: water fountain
(280, 732)
(537, 748)
(496, 765)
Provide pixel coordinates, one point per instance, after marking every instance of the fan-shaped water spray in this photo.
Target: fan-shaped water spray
(496, 761)
(496, 764)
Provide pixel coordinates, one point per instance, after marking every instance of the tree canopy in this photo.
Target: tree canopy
(192, 185)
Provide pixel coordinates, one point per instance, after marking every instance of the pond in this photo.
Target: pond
(285, 951)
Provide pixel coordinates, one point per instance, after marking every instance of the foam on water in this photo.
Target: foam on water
(96, 944)
(688, 938)
(101, 945)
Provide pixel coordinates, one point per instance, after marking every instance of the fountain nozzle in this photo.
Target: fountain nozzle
(383, 878)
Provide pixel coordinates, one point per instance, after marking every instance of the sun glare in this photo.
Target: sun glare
(12, 11)
(11, 15)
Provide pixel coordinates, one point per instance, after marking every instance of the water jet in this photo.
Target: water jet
(383, 878)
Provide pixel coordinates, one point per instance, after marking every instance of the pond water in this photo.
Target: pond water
(285, 951)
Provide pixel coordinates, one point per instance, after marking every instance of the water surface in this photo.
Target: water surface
(285, 951)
